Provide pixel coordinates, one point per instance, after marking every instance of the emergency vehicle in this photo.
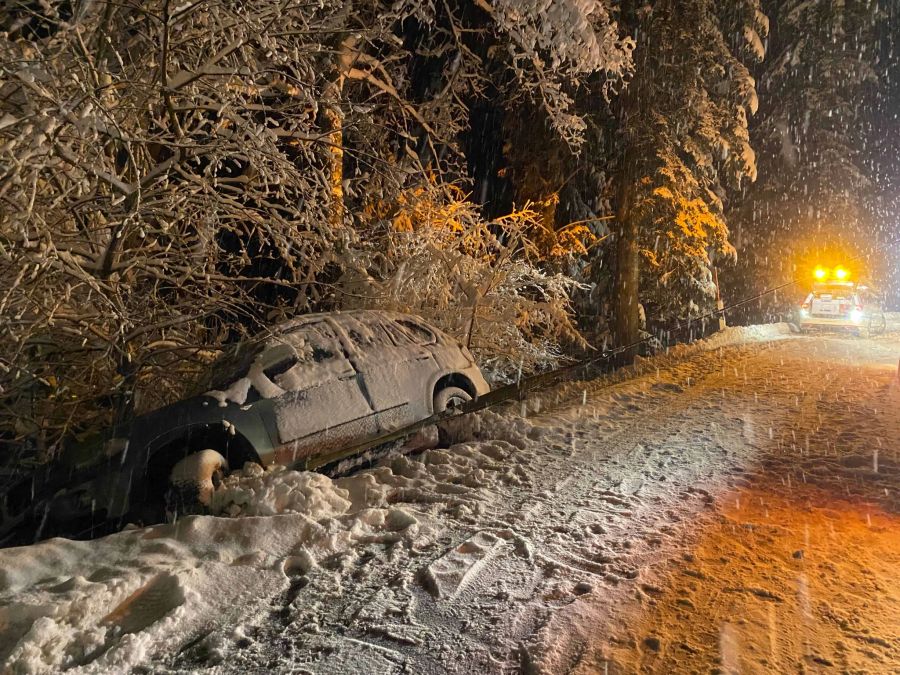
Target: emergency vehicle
(836, 302)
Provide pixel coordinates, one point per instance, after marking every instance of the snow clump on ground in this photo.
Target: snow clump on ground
(108, 605)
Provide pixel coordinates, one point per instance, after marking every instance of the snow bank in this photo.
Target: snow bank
(108, 605)
(256, 492)
(735, 335)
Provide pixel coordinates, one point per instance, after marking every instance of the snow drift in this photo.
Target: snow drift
(108, 605)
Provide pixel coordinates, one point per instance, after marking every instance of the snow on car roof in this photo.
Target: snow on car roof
(362, 315)
(232, 375)
(239, 355)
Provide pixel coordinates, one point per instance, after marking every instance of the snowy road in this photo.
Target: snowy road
(579, 533)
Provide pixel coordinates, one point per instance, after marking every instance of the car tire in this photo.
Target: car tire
(192, 482)
(446, 398)
(450, 397)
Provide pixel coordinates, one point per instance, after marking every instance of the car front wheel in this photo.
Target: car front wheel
(192, 482)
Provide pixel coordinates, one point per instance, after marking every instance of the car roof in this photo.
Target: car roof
(361, 315)
(832, 285)
(237, 352)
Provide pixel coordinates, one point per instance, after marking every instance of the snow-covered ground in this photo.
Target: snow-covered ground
(542, 541)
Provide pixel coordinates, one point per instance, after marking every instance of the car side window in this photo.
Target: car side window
(420, 334)
(321, 343)
(365, 335)
(397, 336)
(231, 366)
(282, 365)
(318, 358)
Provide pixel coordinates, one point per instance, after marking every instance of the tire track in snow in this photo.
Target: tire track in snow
(576, 486)
(627, 489)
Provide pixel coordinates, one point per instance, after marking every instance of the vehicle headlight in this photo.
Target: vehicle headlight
(804, 313)
(856, 315)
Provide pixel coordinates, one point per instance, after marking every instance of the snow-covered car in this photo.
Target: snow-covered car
(293, 396)
(841, 305)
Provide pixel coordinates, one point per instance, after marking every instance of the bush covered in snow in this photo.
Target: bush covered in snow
(177, 177)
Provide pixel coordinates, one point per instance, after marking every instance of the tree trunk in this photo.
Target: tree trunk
(334, 120)
(333, 115)
(626, 287)
(626, 284)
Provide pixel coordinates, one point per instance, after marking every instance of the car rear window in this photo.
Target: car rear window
(835, 292)
(420, 334)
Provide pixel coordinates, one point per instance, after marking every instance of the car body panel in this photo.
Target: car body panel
(388, 370)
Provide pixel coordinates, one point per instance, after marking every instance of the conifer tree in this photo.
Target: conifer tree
(685, 141)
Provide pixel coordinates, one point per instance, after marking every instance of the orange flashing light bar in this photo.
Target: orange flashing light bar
(839, 273)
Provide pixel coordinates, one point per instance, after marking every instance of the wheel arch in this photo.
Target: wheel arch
(171, 448)
(454, 379)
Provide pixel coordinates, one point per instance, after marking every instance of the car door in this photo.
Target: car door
(396, 371)
(322, 405)
(416, 342)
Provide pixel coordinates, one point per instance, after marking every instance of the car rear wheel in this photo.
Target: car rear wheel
(446, 399)
(450, 397)
(192, 482)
